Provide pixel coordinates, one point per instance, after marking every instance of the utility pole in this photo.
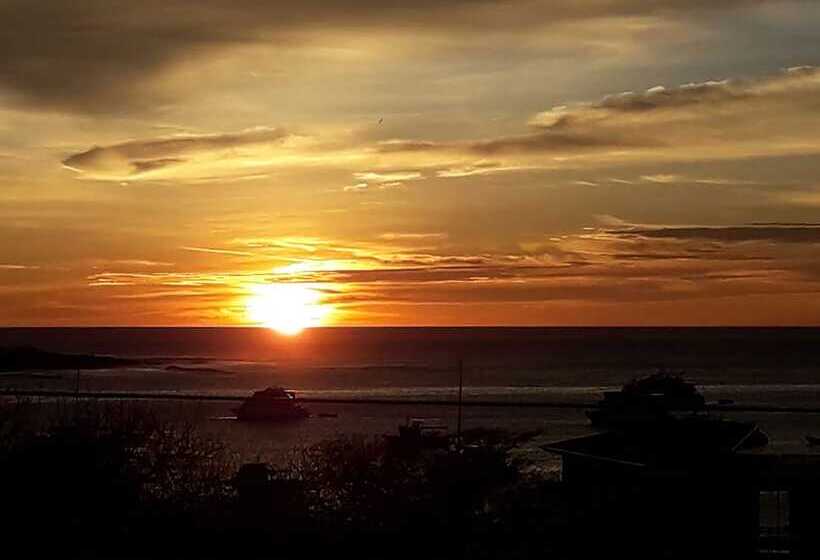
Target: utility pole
(460, 397)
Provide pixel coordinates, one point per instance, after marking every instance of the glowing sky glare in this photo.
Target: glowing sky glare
(526, 162)
(286, 308)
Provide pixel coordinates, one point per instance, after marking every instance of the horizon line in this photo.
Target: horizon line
(478, 326)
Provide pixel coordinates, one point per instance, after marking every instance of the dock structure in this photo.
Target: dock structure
(214, 397)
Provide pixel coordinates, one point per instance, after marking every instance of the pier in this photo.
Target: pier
(579, 405)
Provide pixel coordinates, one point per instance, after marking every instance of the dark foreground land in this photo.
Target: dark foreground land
(113, 481)
(29, 358)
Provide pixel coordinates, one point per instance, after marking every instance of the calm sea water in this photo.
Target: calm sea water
(750, 366)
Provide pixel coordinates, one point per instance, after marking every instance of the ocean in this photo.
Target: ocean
(751, 366)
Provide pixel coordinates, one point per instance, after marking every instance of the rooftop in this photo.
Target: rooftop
(674, 442)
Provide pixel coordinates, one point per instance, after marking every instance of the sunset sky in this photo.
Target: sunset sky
(539, 162)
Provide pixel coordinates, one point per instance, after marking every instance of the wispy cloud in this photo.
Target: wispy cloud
(18, 267)
(399, 236)
(149, 158)
(141, 263)
(700, 121)
(662, 178)
(707, 120)
(617, 262)
(480, 168)
(382, 180)
(730, 234)
(214, 251)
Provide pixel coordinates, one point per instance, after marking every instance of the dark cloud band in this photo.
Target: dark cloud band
(100, 55)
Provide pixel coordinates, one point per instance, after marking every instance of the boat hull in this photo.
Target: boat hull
(271, 416)
(271, 405)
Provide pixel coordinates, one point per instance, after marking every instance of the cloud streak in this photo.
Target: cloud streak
(730, 234)
(149, 158)
(217, 251)
(730, 118)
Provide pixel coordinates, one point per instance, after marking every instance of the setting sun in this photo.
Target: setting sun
(286, 308)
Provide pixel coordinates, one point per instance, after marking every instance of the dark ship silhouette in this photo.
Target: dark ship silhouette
(647, 399)
(274, 404)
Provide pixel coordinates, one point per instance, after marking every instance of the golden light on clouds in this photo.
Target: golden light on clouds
(287, 308)
(521, 162)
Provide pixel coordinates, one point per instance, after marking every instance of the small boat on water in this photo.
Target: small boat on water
(274, 404)
(418, 434)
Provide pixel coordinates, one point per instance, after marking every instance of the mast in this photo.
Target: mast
(460, 397)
